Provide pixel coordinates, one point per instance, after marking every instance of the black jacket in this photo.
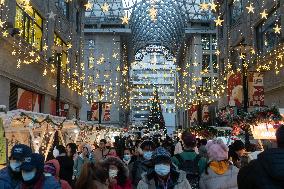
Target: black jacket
(266, 172)
(66, 168)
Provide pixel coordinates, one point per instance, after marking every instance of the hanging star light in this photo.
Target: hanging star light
(125, 20)
(218, 22)
(2, 2)
(213, 6)
(204, 6)
(277, 29)
(69, 46)
(250, 8)
(45, 47)
(218, 52)
(105, 7)
(51, 15)
(115, 55)
(5, 33)
(32, 53)
(88, 6)
(264, 14)
(153, 13)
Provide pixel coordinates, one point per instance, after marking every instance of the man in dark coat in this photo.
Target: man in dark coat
(267, 171)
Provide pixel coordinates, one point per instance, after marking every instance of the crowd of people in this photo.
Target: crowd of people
(147, 163)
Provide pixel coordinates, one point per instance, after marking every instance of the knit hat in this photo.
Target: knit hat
(161, 154)
(35, 160)
(20, 151)
(280, 136)
(217, 150)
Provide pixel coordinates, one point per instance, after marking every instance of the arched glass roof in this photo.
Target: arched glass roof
(168, 27)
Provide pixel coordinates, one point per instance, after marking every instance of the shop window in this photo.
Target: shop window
(63, 56)
(29, 22)
(267, 39)
(236, 10)
(205, 41)
(205, 62)
(214, 42)
(63, 6)
(214, 63)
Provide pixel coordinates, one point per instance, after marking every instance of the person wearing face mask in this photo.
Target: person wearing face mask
(52, 169)
(144, 161)
(11, 176)
(84, 157)
(66, 163)
(164, 175)
(33, 174)
(128, 160)
(118, 173)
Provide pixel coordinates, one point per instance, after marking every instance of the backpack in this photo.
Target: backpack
(191, 168)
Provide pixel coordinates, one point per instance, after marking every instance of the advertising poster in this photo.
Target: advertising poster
(192, 114)
(95, 112)
(106, 111)
(205, 114)
(28, 100)
(256, 89)
(235, 89)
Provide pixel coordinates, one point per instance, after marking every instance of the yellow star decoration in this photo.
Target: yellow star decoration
(88, 6)
(218, 22)
(252, 51)
(32, 53)
(242, 56)
(218, 52)
(5, 33)
(115, 55)
(13, 52)
(125, 20)
(69, 46)
(153, 13)
(213, 6)
(105, 7)
(277, 29)
(2, 23)
(45, 47)
(264, 14)
(2, 2)
(250, 8)
(204, 6)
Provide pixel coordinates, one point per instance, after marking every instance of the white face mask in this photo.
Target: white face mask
(112, 173)
(27, 176)
(55, 153)
(47, 174)
(15, 166)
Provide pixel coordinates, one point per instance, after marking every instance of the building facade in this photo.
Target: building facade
(35, 37)
(251, 41)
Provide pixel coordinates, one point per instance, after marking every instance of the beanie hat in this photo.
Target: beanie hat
(217, 150)
(238, 145)
(20, 151)
(280, 136)
(35, 160)
(161, 154)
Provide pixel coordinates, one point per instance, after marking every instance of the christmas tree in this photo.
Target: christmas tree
(156, 119)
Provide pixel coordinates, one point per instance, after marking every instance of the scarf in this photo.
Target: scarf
(219, 167)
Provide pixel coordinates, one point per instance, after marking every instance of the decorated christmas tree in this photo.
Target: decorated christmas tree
(156, 119)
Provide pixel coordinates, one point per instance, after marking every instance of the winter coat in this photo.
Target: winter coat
(78, 164)
(48, 183)
(127, 185)
(139, 167)
(178, 178)
(100, 185)
(266, 172)
(64, 184)
(213, 180)
(6, 179)
(66, 168)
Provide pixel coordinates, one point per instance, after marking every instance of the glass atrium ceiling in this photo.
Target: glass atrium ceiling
(160, 22)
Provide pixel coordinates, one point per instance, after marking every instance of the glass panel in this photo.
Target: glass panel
(205, 62)
(214, 63)
(205, 41)
(236, 10)
(214, 42)
(37, 36)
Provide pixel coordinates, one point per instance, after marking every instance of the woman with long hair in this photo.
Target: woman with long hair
(92, 177)
(118, 173)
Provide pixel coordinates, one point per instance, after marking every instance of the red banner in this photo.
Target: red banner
(53, 109)
(235, 89)
(28, 100)
(95, 111)
(192, 114)
(106, 111)
(256, 89)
